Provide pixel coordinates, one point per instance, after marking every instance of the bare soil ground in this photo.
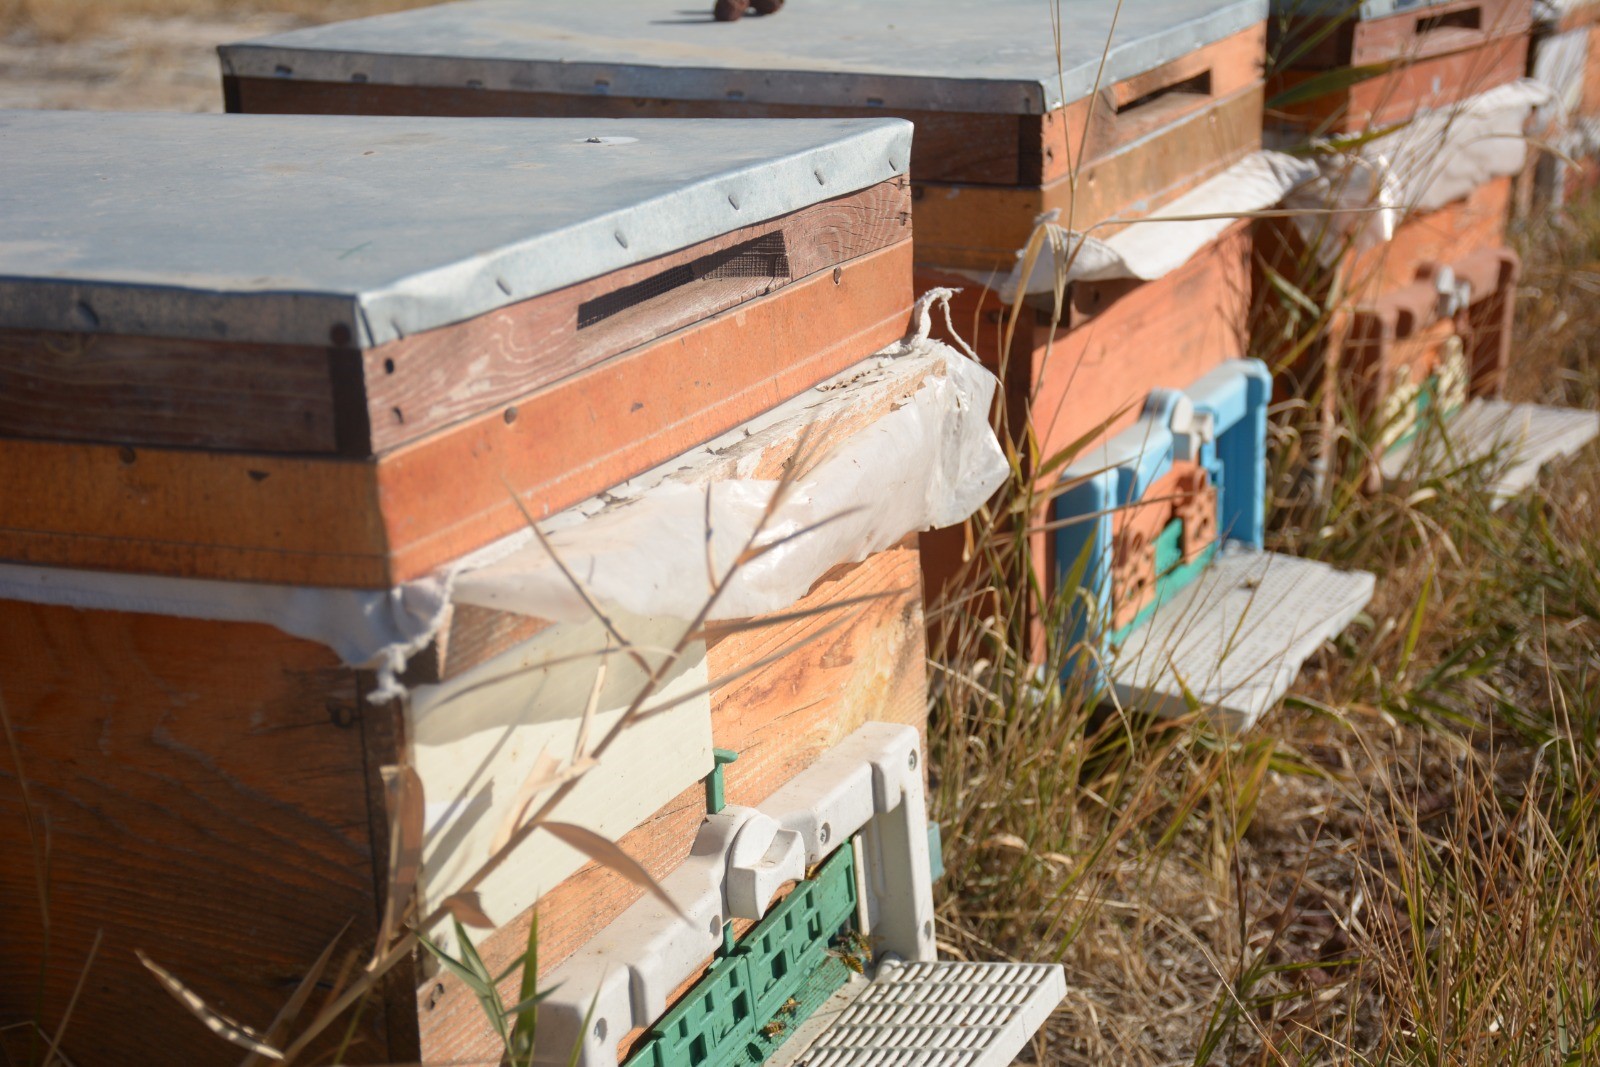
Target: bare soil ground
(141, 63)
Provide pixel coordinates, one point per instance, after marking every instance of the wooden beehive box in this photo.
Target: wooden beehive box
(1007, 129)
(266, 382)
(1345, 68)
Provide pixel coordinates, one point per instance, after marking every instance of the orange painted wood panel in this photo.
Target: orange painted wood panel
(982, 227)
(371, 525)
(204, 786)
(1394, 96)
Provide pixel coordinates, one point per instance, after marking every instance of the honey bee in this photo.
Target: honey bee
(775, 1028)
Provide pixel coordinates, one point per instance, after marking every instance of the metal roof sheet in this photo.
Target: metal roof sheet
(1349, 9)
(282, 228)
(947, 55)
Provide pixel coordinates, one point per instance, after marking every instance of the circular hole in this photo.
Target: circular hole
(838, 275)
(511, 415)
(600, 1029)
(927, 930)
(126, 454)
(824, 833)
(388, 366)
(912, 760)
(716, 926)
(399, 416)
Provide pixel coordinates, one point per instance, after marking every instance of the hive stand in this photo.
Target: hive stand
(1166, 521)
(264, 378)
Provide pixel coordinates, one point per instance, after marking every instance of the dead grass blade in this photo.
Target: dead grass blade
(403, 797)
(233, 1032)
(609, 855)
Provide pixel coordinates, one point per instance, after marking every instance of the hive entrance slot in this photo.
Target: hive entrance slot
(738, 273)
(1470, 18)
(1198, 85)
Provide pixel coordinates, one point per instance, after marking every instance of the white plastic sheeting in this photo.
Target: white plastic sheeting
(643, 546)
(1438, 157)
(1166, 239)
(929, 464)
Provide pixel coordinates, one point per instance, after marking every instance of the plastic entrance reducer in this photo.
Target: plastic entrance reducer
(840, 971)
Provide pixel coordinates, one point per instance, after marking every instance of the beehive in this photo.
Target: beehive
(1167, 518)
(277, 392)
(1420, 281)
(1123, 115)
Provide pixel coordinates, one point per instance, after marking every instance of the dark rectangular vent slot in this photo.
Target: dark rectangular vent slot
(1466, 19)
(765, 257)
(1199, 85)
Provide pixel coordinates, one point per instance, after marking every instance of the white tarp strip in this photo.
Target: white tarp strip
(928, 464)
(1437, 157)
(1166, 239)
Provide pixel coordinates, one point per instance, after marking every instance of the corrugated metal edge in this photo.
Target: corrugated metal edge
(873, 150)
(279, 56)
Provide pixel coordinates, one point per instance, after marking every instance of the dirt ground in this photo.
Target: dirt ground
(138, 64)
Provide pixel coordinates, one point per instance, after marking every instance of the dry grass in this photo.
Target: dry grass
(64, 20)
(1404, 867)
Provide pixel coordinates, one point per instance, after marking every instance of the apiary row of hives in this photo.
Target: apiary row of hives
(519, 433)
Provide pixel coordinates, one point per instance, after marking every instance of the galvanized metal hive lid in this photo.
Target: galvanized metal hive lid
(942, 55)
(297, 229)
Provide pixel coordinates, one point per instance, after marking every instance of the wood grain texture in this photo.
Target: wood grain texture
(1075, 136)
(204, 787)
(981, 227)
(434, 379)
(371, 525)
(302, 399)
(164, 391)
(1432, 82)
(1407, 35)
(949, 146)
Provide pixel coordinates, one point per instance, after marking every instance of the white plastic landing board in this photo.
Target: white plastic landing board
(1515, 439)
(279, 228)
(939, 1015)
(1236, 637)
(999, 56)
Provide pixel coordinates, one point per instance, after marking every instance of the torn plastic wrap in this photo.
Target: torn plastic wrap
(642, 546)
(1435, 158)
(928, 464)
(1166, 239)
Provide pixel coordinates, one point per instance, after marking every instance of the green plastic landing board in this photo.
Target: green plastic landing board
(1172, 574)
(782, 970)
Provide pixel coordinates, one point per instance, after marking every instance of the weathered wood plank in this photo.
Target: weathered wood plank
(164, 391)
(1432, 82)
(371, 525)
(1055, 144)
(204, 790)
(1410, 35)
(949, 146)
(298, 399)
(982, 227)
(415, 385)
